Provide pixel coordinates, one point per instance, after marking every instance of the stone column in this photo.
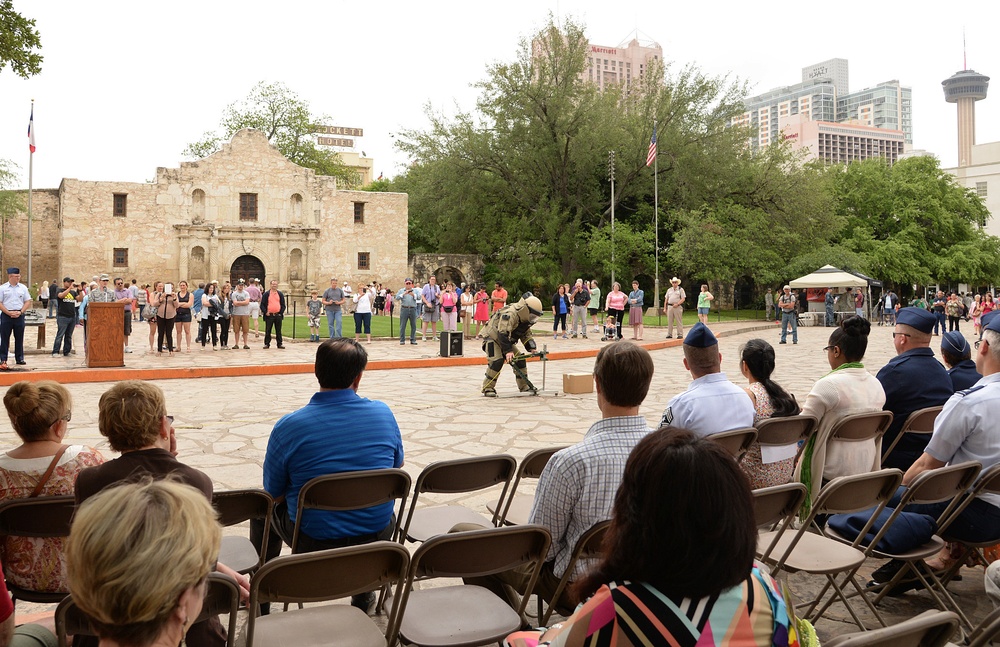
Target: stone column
(213, 255)
(183, 255)
(311, 261)
(283, 260)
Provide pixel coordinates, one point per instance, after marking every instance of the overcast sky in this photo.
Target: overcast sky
(126, 85)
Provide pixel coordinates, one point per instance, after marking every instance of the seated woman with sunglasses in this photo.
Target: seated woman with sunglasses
(42, 465)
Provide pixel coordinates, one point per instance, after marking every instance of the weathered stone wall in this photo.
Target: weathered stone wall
(454, 267)
(45, 238)
(186, 224)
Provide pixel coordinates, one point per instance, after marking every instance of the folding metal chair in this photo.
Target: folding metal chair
(919, 422)
(736, 441)
(517, 508)
(986, 631)
(320, 576)
(948, 483)
(929, 629)
(790, 430)
(452, 477)
(778, 504)
(860, 427)
(43, 516)
(222, 595)
(809, 551)
(235, 507)
(463, 614)
(590, 545)
(352, 491)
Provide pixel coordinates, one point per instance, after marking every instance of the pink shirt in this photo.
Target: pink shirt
(616, 301)
(255, 293)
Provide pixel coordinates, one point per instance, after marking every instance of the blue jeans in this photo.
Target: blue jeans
(53, 307)
(408, 314)
(790, 319)
(979, 522)
(939, 320)
(64, 334)
(362, 320)
(335, 323)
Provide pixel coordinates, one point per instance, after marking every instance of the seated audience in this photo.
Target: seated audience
(139, 556)
(42, 465)
(957, 356)
(769, 401)
(846, 390)
(711, 404)
(132, 414)
(677, 570)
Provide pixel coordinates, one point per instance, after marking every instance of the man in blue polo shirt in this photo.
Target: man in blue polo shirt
(338, 431)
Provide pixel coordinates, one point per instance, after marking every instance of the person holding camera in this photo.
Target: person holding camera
(408, 298)
(211, 313)
(67, 299)
(273, 305)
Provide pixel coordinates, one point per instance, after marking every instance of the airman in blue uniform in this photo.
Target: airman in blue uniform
(957, 355)
(912, 380)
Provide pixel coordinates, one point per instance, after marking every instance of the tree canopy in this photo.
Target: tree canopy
(19, 42)
(289, 125)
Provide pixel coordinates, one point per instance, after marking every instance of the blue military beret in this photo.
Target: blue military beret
(955, 343)
(991, 321)
(700, 337)
(916, 318)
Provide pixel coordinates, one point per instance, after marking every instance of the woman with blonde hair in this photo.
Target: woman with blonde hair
(42, 465)
(138, 559)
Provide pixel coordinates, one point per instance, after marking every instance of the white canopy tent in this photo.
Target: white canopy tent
(829, 276)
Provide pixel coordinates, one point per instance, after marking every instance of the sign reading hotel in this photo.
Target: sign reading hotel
(342, 142)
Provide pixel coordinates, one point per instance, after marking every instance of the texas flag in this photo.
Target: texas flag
(31, 130)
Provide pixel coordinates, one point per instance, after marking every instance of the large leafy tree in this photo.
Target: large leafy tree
(11, 202)
(19, 42)
(288, 123)
(912, 223)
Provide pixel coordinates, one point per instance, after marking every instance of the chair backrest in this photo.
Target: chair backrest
(778, 503)
(327, 575)
(352, 491)
(237, 506)
(530, 467)
(920, 421)
(989, 483)
(222, 595)
(736, 441)
(43, 516)
(475, 553)
(984, 633)
(785, 431)
(859, 427)
(466, 474)
(588, 546)
(929, 629)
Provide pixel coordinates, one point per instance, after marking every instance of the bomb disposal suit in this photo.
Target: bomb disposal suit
(506, 327)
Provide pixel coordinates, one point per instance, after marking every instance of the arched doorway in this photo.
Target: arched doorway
(246, 268)
(449, 273)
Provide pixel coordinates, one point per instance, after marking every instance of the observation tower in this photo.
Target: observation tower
(964, 89)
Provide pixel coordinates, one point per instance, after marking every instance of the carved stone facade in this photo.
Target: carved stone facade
(243, 211)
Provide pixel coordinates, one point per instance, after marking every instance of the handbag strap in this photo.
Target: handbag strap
(48, 472)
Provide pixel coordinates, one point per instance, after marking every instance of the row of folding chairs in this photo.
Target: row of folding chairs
(441, 615)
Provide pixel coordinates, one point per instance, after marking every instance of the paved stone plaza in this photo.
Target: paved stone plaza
(223, 423)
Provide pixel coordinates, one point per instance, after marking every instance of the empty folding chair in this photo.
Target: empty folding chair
(929, 629)
(222, 595)
(452, 477)
(589, 546)
(320, 576)
(777, 506)
(43, 516)
(237, 506)
(517, 507)
(466, 615)
(736, 441)
(805, 550)
(919, 422)
(352, 491)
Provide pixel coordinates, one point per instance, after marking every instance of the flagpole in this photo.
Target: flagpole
(31, 159)
(656, 226)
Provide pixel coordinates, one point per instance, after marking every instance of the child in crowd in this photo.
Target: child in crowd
(315, 308)
(610, 329)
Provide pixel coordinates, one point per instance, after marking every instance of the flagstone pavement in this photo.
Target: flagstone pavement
(223, 424)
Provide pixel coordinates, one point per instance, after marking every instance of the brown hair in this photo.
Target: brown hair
(33, 407)
(130, 414)
(623, 372)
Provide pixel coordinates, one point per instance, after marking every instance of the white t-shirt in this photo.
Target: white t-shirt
(364, 302)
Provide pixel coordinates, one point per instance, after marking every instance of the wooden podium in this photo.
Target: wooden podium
(105, 335)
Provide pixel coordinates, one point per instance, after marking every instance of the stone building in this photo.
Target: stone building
(242, 212)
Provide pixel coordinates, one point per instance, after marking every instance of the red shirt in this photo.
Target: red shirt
(273, 302)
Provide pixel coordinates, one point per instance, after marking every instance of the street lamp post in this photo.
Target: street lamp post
(611, 175)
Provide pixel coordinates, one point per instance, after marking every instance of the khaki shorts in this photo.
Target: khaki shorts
(240, 323)
(254, 309)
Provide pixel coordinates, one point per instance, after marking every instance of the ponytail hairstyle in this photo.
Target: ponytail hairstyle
(759, 358)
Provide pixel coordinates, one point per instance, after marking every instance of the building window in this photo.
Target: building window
(364, 261)
(359, 213)
(121, 257)
(981, 189)
(121, 203)
(248, 206)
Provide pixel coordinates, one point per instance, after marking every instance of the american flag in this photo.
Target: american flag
(31, 130)
(651, 157)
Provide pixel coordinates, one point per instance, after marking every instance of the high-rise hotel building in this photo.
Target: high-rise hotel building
(619, 65)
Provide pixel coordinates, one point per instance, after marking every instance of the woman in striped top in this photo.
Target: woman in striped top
(678, 569)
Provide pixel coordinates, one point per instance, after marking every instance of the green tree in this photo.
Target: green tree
(289, 125)
(19, 42)
(11, 202)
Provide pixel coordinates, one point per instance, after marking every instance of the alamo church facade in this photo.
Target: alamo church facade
(243, 212)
